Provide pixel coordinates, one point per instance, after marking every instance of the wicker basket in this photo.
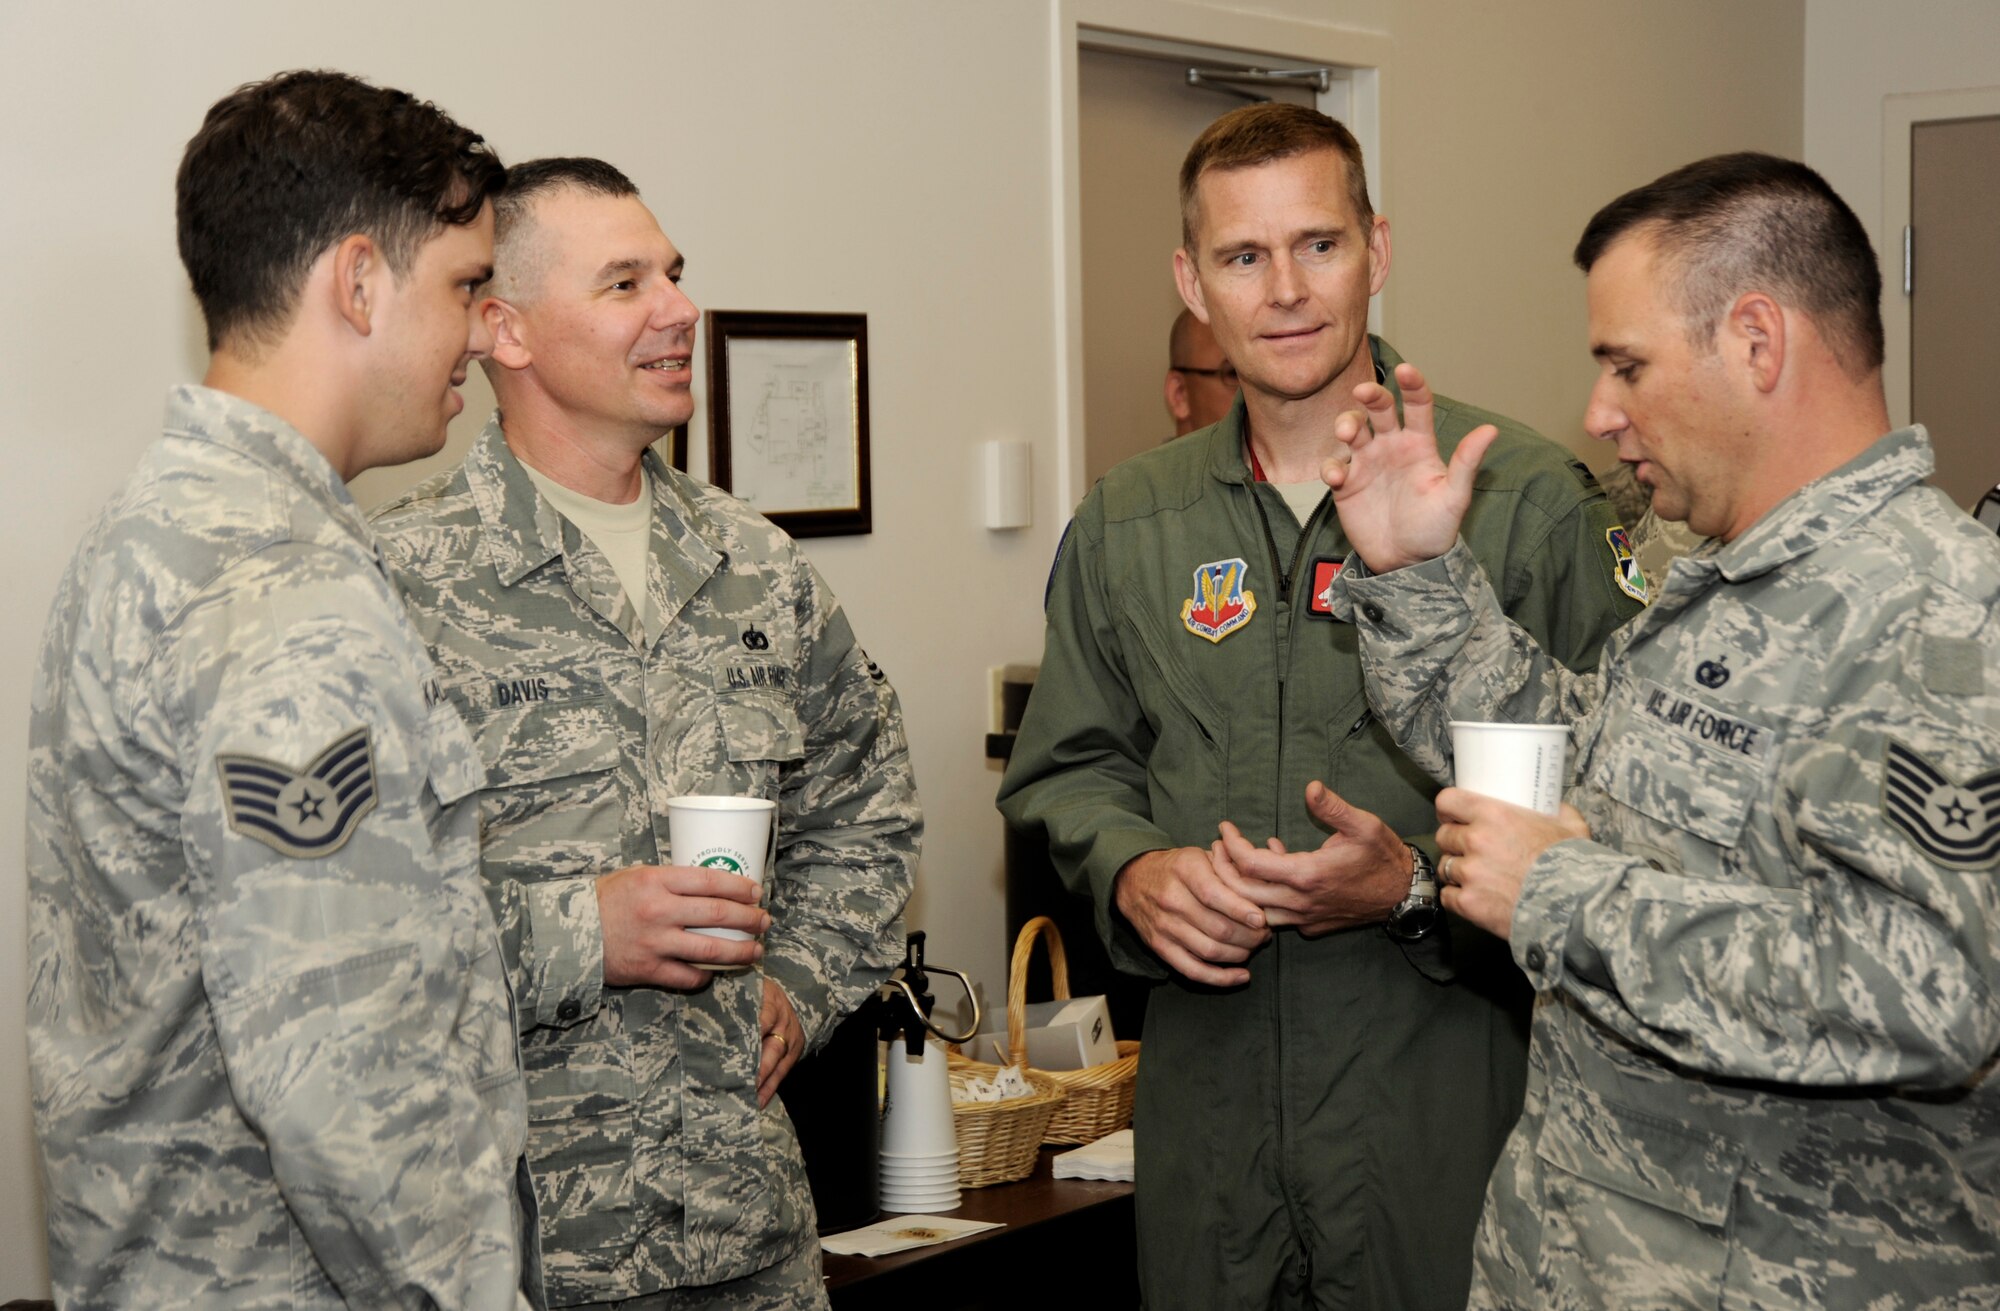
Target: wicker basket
(1099, 1096)
(997, 1141)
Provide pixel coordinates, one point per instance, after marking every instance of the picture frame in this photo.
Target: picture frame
(788, 417)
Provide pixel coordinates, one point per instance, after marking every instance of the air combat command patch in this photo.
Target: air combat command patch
(1220, 604)
(1955, 824)
(1626, 573)
(307, 812)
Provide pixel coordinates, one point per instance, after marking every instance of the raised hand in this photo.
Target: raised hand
(1399, 503)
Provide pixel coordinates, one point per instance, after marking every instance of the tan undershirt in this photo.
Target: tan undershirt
(1302, 497)
(624, 533)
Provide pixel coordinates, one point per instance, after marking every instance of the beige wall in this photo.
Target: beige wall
(1509, 125)
(899, 157)
(1927, 59)
(1859, 51)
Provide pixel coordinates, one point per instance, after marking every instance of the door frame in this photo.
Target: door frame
(1147, 26)
(1900, 114)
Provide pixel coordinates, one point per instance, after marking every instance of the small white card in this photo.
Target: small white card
(901, 1233)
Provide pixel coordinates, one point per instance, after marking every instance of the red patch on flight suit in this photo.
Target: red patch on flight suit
(1320, 603)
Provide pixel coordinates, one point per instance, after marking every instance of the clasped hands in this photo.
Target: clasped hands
(1205, 912)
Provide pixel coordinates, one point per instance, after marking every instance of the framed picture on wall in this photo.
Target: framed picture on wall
(677, 447)
(788, 417)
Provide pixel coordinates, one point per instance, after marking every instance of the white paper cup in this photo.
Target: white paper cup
(1518, 763)
(916, 1112)
(732, 834)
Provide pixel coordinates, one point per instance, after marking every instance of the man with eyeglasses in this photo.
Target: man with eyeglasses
(1201, 383)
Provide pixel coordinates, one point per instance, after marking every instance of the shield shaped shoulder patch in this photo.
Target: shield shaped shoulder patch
(305, 812)
(1625, 569)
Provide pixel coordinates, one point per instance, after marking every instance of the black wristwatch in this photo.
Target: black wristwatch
(1417, 914)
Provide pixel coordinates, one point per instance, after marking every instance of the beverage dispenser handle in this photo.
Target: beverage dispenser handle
(917, 1009)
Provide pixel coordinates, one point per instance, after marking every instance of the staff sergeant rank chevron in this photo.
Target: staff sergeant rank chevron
(1955, 824)
(308, 812)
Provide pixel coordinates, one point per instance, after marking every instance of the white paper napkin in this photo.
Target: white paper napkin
(901, 1233)
(1110, 1157)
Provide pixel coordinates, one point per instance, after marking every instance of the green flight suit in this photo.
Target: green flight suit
(1331, 1125)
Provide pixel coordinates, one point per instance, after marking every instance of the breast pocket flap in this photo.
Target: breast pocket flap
(1682, 785)
(758, 726)
(541, 742)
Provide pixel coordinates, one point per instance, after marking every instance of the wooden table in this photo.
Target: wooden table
(1066, 1242)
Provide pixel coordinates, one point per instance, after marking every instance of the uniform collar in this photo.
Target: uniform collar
(1227, 455)
(205, 414)
(1827, 507)
(523, 532)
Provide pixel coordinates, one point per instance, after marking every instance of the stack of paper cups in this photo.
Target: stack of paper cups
(919, 1139)
(1519, 763)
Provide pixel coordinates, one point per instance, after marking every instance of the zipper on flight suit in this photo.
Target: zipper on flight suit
(1284, 579)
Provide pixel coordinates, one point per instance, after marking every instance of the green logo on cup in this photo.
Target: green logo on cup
(715, 858)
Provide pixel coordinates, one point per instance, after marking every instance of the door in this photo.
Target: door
(1954, 285)
(1136, 118)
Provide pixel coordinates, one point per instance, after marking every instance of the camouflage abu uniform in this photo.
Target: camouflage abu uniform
(656, 1167)
(272, 1044)
(1768, 983)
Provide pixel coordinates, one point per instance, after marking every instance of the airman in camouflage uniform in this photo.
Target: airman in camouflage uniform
(667, 1174)
(273, 1048)
(1762, 932)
